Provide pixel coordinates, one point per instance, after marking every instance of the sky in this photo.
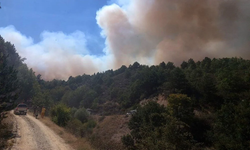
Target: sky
(62, 38)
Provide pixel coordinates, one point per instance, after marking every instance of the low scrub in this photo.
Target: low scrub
(82, 115)
(80, 129)
(5, 134)
(60, 114)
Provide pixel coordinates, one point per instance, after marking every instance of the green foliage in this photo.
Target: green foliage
(41, 98)
(179, 106)
(184, 65)
(134, 66)
(114, 93)
(217, 90)
(120, 70)
(91, 124)
(9, 88)
(206, 87)
(27, 84)
(73, 111)
(80, 129)
(74, 126)
(8, 79)
(88, 98)
(128, 142)
(82, 115)
(127, 74)
(170, 66)
(176, 135)
(231, 129)
(87, 128)
(178, 81)
(60, 114)
(154, 127)
(58, 92)
(82, 95)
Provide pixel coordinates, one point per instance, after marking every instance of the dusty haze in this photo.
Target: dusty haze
(147, 31)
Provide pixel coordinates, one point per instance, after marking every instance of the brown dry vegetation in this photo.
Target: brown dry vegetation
(106, 135)
(76, 143)
(160, 99)
(108, 132)
(6, 127)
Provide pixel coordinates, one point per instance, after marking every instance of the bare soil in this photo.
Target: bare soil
(74, 142)
(32, 134)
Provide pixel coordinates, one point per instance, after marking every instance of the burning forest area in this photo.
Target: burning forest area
(125, 74)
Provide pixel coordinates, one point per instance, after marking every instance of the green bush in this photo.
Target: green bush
(128, 142)
(91, 124)
(73, 111)
(87, 128)
(153, 127)
(82, 115)
(77, 128)
(60, 114)
(73, 126)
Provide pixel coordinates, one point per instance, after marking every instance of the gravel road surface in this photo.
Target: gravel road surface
(31, 134)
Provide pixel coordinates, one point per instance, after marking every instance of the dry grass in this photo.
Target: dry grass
(108, 133)
(6, 127)
(76, 143)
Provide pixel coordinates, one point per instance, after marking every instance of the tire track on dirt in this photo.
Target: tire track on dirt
(41, 141)
(33, 135)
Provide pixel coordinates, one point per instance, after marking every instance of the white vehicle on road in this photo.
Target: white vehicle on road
(21, 109)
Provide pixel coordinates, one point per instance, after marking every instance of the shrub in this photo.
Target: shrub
(60, 114)
(73, 126)
(82, 115)
(87, 128)
(73, 111)
(128, 142)
(91, 124)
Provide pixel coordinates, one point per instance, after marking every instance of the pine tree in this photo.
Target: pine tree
(8, 83)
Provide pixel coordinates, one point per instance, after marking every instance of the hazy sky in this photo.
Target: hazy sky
(62, 38)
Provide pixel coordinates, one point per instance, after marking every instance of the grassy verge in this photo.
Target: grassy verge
(74, 142)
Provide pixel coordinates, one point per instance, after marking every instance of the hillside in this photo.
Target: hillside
(206, 101)
(199, 97)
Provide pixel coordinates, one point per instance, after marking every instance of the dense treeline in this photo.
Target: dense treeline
(208, 107)
(213, 96)
(208, 100)
(209, 83)
(16, 84)
(213, 108)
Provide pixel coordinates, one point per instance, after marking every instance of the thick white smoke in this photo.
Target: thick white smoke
(147, 31)
(57, 55)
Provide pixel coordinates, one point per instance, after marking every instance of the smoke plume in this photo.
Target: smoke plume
(146, 31)
(152, 31)
(57, 55)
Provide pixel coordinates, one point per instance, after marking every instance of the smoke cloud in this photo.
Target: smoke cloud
(56, 56)
(152, 31)
(147, 31)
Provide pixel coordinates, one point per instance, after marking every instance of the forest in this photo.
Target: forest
(207, 101)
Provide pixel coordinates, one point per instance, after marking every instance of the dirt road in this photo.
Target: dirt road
(34, 135)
